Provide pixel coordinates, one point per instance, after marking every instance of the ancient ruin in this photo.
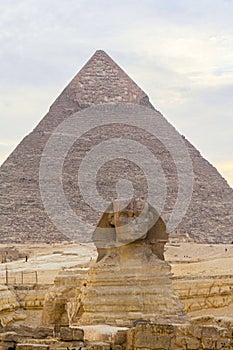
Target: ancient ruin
(130, 280)
(120, 292)
(22, 215)
(122, 300)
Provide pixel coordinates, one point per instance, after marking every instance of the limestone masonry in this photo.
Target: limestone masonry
(129, 282)
(22, 214)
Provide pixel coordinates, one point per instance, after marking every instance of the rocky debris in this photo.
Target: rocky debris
(98, 346)
(42, 332)
(8, 300)
(12, 316)
(22, 214)
(203, 333)
(59, 301)
(31, 297)
(171, 337)
(71, 333)
(28, 332)
(15, 301)
(10, 337)
(32, 347)
(130, 280)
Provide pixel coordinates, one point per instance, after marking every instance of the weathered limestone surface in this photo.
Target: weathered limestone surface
(71, 333)
(15, 302)
(32, 347)
(31, 297)
(173, 337)
(22, 214)
(130, 280)
(204, 293)
(60, 300)
(12, 336)
(201, 334)
(9, 306)
(8, 301)
(23, 331)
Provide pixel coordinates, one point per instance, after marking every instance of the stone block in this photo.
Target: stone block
(163, 342)
(71, 334)
(176, 347)
(77, 334)
(32, 347)
(43, 332)
(116, 347)
(208, 343)
(193, 344)
(180, 342)
(98, 346)
(66, 334)
(163, 329)
(213, 332)
(181, 331)
(10, 337)
(143, 340)
(196, 331)
(223, 344)
(120, 337)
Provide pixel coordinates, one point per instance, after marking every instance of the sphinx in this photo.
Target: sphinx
(130, 280)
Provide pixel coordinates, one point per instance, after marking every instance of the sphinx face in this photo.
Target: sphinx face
(126, 222)
(133, 222)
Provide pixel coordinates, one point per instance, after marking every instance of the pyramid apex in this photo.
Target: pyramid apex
(101, 80)
(100, 51)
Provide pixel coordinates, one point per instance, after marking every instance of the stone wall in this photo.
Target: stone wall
(200, 334)
(8, 300)
(31, 297)
(172, 337)
(204, 293)
(15, 302)
(61, 298)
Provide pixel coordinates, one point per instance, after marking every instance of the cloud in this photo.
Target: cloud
(179, 52)
(6, 143)
(22, 108)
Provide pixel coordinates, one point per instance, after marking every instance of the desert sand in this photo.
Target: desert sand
(186, 259)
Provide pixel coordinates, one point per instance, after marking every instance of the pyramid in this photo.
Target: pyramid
(101, 81)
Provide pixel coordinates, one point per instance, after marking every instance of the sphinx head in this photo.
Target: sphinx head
(125, 222)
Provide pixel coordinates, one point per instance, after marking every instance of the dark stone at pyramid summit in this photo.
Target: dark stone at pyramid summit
(23, 217)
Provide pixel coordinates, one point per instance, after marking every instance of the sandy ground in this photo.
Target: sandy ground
(187, 259)
(45, 261)
(200, 259)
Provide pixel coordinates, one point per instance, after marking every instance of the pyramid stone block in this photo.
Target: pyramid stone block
(22, 213)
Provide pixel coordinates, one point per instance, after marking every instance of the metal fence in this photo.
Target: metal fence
(9, 277)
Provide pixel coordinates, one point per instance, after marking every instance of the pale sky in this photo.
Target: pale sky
(179, 51)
